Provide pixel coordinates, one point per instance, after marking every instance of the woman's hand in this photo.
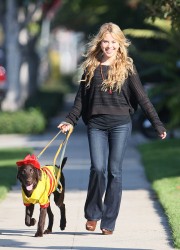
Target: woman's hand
(65, 126)
(163, 135)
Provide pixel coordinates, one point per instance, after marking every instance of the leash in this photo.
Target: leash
(44, 149)
(62, 147)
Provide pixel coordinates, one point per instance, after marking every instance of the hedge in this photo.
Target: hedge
(30, 121)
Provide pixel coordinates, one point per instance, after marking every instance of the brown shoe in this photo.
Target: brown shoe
(91, 225)
(106, 232)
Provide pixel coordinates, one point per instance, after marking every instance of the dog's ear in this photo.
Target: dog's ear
(38, 174)
(63, 162)
(18, 176)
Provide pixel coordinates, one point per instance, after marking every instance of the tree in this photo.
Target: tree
(164, 63)
(166, 9)
(22, 28)
(87, 16)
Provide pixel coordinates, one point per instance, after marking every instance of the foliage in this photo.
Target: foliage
(8, 169)
(88, 15)
(162, 166)
(163, 63)
(166, 9)
(49, 102)
(31, 121)
(49, 98)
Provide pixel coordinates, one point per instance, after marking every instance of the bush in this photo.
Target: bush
(30, 121)
(48, 102)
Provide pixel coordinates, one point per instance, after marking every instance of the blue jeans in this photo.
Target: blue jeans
(107, 149)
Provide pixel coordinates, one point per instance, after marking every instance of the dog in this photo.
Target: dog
(37, 184)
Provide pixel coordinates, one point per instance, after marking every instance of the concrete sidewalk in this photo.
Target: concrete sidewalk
(141, 224)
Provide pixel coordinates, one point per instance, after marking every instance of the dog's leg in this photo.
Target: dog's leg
(59, 198)
(59, 201)
(51, 221)
(41, 223)
(63, 216)
(29, 221)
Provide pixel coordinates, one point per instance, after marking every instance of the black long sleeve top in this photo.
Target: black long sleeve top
(92, 100)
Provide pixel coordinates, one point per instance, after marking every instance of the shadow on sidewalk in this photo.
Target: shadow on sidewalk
(17, 244)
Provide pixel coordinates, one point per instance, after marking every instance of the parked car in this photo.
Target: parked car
(3, 84)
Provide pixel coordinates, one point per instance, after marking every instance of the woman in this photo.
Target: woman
(109, 92)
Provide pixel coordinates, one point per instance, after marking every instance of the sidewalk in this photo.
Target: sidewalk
(141, 224)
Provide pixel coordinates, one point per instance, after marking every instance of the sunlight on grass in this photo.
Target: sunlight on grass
(161, 160)
(3, 192)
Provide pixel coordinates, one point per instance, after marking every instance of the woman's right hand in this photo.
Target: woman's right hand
(65, 126)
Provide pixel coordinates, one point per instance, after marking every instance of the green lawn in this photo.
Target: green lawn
(8, 168)
(161, 160)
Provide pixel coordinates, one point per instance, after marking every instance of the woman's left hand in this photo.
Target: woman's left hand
(163, 135)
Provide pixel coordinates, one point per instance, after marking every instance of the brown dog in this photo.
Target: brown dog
(37, 185)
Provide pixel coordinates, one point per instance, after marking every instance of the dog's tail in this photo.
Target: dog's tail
(63, 162)
(60, 176)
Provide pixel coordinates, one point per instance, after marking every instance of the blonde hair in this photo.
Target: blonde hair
(121, 66)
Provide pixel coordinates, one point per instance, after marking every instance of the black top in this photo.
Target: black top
(92, 100)
(108, 121)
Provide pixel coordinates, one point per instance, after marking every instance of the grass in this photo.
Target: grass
(8, 168)
(161, 160)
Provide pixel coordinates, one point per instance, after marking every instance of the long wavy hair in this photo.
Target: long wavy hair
(121, 66)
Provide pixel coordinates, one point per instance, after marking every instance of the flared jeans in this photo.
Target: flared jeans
(107, 150)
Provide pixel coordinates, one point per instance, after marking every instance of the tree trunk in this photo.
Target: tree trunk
(12, 101)
(33, 66)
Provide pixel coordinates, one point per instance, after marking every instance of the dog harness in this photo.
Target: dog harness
(50, 178)
(45, 187)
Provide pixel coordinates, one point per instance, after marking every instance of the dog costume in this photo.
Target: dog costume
(45, 186)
